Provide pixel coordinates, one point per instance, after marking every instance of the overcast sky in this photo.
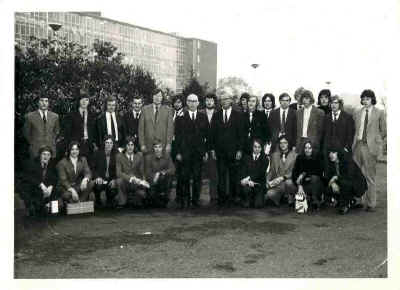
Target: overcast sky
(296, 43)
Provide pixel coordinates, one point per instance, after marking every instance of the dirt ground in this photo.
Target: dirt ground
(205, 243)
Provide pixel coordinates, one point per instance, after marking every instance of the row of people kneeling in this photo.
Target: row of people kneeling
(117, 179)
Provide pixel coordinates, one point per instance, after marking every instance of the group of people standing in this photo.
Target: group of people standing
(251, 157)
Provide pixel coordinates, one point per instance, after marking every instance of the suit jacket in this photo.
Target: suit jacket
(257, 170)
(339, 134)
(156, 165)
(293, 106)
(149, 130)
(279, 168)
(191, 136)
(315, 126)
(66, 174)
(101, 124)
(228, 138)
(38, 134)
(258, 128)
(290, 126)
(210, 126)
(376, 129)
(99, 165)
(125, 169)
(131, 126)
(34, 175)
(73, 128)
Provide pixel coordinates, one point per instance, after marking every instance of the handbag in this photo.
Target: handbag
(301, 205)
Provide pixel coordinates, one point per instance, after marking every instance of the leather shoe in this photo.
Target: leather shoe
(370, 209)
(344, 209)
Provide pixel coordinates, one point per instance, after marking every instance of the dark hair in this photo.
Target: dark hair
(339, 99)
(178, 97)
(70, 145)
(368, 94)
(137, 97)
(156, 142)
(271, 96)
(284, 95)
(283, 137)
(244, 96)
(298, 92)
(307, 94)
(303, 151)
(129, 139)
(324, 92)
(212, 96)
(45, 148)
(257, 140)
(106, 137)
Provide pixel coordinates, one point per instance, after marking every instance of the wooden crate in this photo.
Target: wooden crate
(80, 207)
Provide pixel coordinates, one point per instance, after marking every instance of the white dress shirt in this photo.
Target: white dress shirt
(228, 113)
(191, 115)
(209, 114)
(337, 115)
(41, 114)
(74, 162)
(85, 132)
(306, 118)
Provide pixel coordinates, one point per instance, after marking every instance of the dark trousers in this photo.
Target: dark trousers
(252, 196)
(227, 169)
(191, 169)
(346, 192)
(159, 192)
(313, 189)
(110, 192)
(34, 200)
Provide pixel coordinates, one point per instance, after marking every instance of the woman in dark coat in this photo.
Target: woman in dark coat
(345, 179)
(324, 101)
(38, 182)
(307, 175)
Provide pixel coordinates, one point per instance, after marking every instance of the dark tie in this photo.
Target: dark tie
(192, 116)
(226, 117)
(364, 135)
(335, 116)
(44, 118)
(156, 115)
(44, 166)
(112, 126)
(283, 122)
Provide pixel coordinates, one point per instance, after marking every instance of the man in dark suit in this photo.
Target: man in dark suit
(156, 123)
(104, 172)
(81, 126)
(253, 176)
(228, 138)
(191, 146)
(310, 121)
(297, 95)
(41, 128)
(283, 121)
(38, 182)
(210, 166)
(256, 125)
(339, 128)
(131, 120)
(109, 123)
(268, 103)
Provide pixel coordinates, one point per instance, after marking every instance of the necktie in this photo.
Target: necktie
(44, 166)
(107, 164)
(255, 157)
(192, 116)
(364, 135)
(113, 127)
(283, 157)
(85, 132)
(251, 117)
(226, 117)
(44, 118)
(283, 121)
(156, 115)
(335, 116)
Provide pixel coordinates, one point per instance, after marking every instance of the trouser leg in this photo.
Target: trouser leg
(197, 181)
(222, 179)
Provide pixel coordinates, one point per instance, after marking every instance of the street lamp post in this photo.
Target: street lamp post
(255, 66)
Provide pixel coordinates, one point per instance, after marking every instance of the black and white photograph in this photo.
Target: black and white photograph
(161, 142)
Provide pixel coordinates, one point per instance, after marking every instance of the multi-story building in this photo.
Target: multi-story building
(169, 57)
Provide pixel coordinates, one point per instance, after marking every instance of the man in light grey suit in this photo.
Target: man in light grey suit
(370, 131)
(156, 123)
(41, 128)
(310, 121)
